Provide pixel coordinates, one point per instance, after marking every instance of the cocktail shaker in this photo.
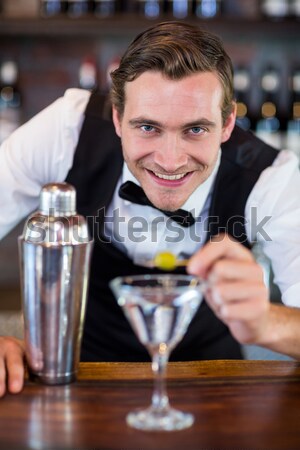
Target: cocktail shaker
(54, 252)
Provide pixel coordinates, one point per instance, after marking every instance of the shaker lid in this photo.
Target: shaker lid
(58, 199)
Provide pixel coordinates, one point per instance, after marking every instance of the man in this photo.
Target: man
(172, 110)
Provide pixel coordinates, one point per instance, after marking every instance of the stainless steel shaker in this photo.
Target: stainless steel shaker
(54, 251)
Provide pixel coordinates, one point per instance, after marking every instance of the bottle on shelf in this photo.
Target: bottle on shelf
(51, 8)
(275, 9)
(239, 8)
(179, 9)
(105, 8)
(10, 99)
(112, 65)
(104, 100)
(87, 75)
(242, 83)
(207, 9)
(295, 8)
(269, 125)
(78, 8)
(151, 9)
(293, 126)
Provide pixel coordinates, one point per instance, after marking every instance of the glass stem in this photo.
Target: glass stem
(160, 399)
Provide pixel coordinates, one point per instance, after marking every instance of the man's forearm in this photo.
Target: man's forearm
(282, 333)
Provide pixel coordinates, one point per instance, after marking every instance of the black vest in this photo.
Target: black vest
(96, 169)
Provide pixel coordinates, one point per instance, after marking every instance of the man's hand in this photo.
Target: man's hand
(236, 293)
(11, 365)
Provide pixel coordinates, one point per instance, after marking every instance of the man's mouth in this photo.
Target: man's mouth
(171, 180)
(178, 176)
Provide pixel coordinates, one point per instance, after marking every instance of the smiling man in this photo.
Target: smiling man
(171, 132)
(168, 171)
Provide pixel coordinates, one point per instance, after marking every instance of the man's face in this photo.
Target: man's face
(171, 132)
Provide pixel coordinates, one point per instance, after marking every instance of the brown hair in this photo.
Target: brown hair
(176, 50)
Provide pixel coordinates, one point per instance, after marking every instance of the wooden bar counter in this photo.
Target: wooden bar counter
(238, 405)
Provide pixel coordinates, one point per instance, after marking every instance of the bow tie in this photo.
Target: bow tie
(135, 194)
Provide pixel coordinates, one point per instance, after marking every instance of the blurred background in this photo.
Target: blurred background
(47, 46)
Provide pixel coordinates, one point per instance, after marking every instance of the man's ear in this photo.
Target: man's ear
(229, 125)
(116, 120)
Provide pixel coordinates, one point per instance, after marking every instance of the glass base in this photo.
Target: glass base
(168, 419)
(56, 379)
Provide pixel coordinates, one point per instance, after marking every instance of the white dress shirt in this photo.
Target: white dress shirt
(42, 151)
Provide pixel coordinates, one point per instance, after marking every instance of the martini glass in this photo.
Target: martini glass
(159, 309)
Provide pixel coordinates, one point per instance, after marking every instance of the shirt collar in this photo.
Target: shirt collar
(196, 201)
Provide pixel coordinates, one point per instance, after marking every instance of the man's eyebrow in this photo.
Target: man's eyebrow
(200, 123)
(195, 123)
(142, 121)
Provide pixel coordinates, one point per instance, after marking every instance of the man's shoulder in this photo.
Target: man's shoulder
(99, 107)
(98, 142)
(248, 151)
(77, 98)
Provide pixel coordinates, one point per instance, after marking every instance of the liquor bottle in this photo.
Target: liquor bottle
(239, 8)
(293, 127)
(78, 8)
(105, 8)
(112, 65)
(295, 8)
(180, 9)
(88, 74)
(51, 8)
(104, 101)
(207, 8)
(268, 127)
(151, 9)
(275, 9)
(10, 99)
(242, 82)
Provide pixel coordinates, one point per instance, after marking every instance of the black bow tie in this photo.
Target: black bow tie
(135, 194)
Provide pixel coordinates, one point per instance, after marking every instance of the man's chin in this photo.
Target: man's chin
(167, 206)
(164, 200)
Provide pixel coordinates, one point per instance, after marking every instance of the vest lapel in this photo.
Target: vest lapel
(97, 162)
(243, 159)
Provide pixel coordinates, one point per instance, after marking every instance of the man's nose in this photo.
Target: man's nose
(171, 155)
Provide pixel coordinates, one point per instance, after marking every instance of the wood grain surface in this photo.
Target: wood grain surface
(238, 405)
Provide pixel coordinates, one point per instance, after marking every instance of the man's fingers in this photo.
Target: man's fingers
(223, 246)
(238, 291)
(235, 270)
(2, 377)
(235, 290)
(15, 369)
(242, 311)
(11, 365)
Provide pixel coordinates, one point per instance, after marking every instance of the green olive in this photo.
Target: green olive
(165, 261)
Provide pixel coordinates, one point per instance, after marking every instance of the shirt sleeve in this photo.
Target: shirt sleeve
(39, 152)
(273, 220)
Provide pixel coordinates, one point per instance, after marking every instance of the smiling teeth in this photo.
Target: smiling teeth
(170, 177)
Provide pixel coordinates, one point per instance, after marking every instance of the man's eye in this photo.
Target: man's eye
(196, 130)
(147, 128)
